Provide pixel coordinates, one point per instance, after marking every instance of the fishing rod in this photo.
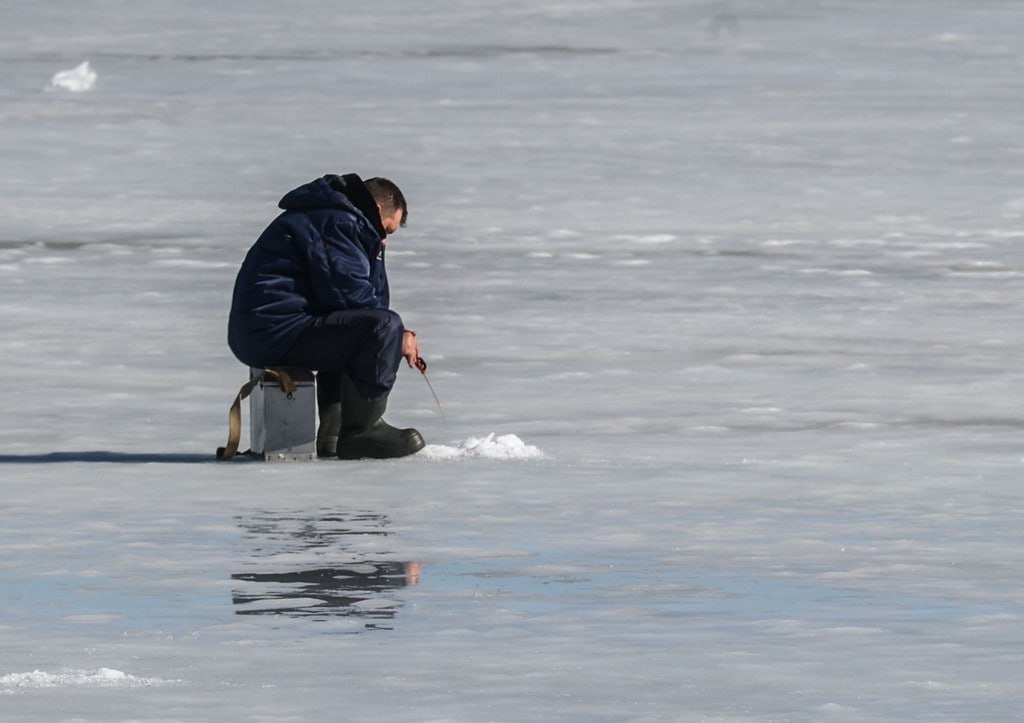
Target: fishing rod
(421, 364)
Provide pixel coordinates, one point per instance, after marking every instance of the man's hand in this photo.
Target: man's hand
(410, 347)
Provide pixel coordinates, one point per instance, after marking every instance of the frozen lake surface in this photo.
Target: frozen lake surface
(734, 286)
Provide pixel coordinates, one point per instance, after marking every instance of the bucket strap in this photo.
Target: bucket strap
(287, 385)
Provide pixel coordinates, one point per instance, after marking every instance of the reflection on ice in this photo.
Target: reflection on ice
(316, 567)
(355, 590)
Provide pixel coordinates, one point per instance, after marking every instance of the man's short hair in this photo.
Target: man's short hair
(388, 196)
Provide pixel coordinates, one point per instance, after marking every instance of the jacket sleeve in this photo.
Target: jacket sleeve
(340, 271)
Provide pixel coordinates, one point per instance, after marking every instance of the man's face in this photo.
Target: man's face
(391, 223)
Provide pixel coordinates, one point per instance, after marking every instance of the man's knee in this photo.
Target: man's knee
(375, 322)
(390, 324)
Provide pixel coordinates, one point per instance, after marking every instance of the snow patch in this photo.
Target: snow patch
(102, 678)
(655, 238)
(948, 38)
(80, 78)
(506, 446)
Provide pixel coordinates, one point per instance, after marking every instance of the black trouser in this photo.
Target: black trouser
(365, 344)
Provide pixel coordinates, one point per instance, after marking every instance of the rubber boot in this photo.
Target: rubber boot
(365, 434)
(328, 402)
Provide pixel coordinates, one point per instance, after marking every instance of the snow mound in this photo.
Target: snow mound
(506, 446)
(102, 678)
(81, 77)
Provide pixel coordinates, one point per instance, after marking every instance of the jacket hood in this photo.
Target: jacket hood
(345, 192)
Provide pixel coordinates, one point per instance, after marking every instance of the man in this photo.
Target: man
(313, 292)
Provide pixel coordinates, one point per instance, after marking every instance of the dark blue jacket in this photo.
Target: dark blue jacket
(324, 253)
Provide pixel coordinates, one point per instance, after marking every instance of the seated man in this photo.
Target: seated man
(313, 292)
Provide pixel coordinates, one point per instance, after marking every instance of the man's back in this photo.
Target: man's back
(323, 254)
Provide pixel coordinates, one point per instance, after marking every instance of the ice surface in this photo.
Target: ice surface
(747, 274)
